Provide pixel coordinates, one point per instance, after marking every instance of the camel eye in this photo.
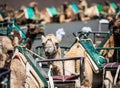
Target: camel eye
(43, 44)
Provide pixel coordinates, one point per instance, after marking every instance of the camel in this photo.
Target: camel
(114, 28)
(32, 31)
(99, 11)
(70, 12)
(52, 50)
(16, 60)
(23, 74)
(89, 68)
(75, 51)
(29, 14)
(28, 38)
(8, 43)
(113, 42)
(91, 12)
(49, 15)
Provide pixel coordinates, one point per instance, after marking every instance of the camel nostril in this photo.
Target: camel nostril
(47, 53)
(10, 52)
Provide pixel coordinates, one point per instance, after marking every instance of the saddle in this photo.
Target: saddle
(94, 57)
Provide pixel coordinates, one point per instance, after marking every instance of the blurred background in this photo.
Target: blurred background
(16, 4)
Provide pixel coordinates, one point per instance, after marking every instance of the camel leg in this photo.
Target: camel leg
(108, 81)
(88, 76)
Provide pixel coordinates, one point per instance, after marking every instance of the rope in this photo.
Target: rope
(36, 54)
(116, 76)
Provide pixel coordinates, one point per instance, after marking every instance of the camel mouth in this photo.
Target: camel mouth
(50, 54)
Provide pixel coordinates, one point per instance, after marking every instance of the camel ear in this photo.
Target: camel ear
(42, 38)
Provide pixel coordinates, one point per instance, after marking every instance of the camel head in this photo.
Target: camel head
(50, 44)
(115, 27)
(33, 30)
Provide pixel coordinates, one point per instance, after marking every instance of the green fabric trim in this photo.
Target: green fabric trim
(99, 7)
(75, 8)
(2, 13)
(16, 27)
(30, 13)
(94, 54)
(36, 68)
(52, 11)
(113, 5)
